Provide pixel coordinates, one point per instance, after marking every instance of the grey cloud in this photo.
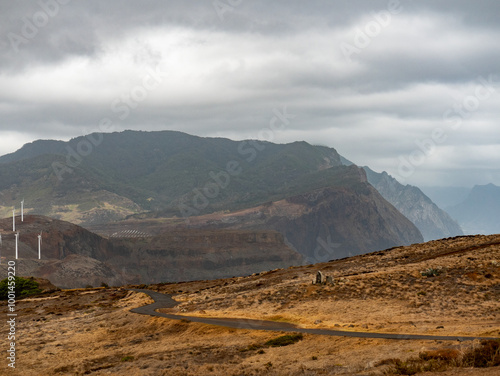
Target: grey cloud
(227, 75)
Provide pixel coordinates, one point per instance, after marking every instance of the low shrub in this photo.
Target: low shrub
(285, 340)
(449, 355)
(23, 287)
(414, 366)
(431, 272)
(486, 355)
(405, 368)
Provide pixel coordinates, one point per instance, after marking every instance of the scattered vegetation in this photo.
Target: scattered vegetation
(279, 318)
(431, 272)
(24, 287)
(252, 347)
(127, 358)
(487, 354)
(285, 340)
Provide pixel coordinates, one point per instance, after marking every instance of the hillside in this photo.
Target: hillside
(433, 222)
(129, 172)
(74, 257)
(92, 331)
(81, 197)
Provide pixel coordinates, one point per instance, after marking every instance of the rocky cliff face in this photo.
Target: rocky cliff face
(75, 257)
(193, 254)
(432, 222)
(337, 223)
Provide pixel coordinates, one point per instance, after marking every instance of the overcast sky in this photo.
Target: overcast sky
(410, 87)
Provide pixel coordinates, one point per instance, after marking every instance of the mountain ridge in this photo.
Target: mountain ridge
(433, 222)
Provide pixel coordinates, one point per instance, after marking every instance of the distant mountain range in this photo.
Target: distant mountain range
(475, 209)
(479, 213)
(445, 197)
(433, 222)
(100, 179)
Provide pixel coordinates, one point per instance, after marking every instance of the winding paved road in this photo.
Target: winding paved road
(166, 301)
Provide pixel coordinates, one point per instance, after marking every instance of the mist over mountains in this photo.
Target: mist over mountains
(476, 209)
(479, 213)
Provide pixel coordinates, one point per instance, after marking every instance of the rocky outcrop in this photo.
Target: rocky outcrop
(433, 222)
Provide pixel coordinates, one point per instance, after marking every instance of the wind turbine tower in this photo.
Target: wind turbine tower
(14, 219)
(17, 246)
(22, 210)
(40, 246)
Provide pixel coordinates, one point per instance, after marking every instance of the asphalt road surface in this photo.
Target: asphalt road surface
(166, 301)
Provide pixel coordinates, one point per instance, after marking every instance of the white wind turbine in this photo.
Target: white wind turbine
(14, 219)
(40, 245)
(22, 210)
(17, 246)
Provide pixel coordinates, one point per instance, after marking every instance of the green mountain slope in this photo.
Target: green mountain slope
(159, 171)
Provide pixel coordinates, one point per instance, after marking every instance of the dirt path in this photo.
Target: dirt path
(166, 301)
